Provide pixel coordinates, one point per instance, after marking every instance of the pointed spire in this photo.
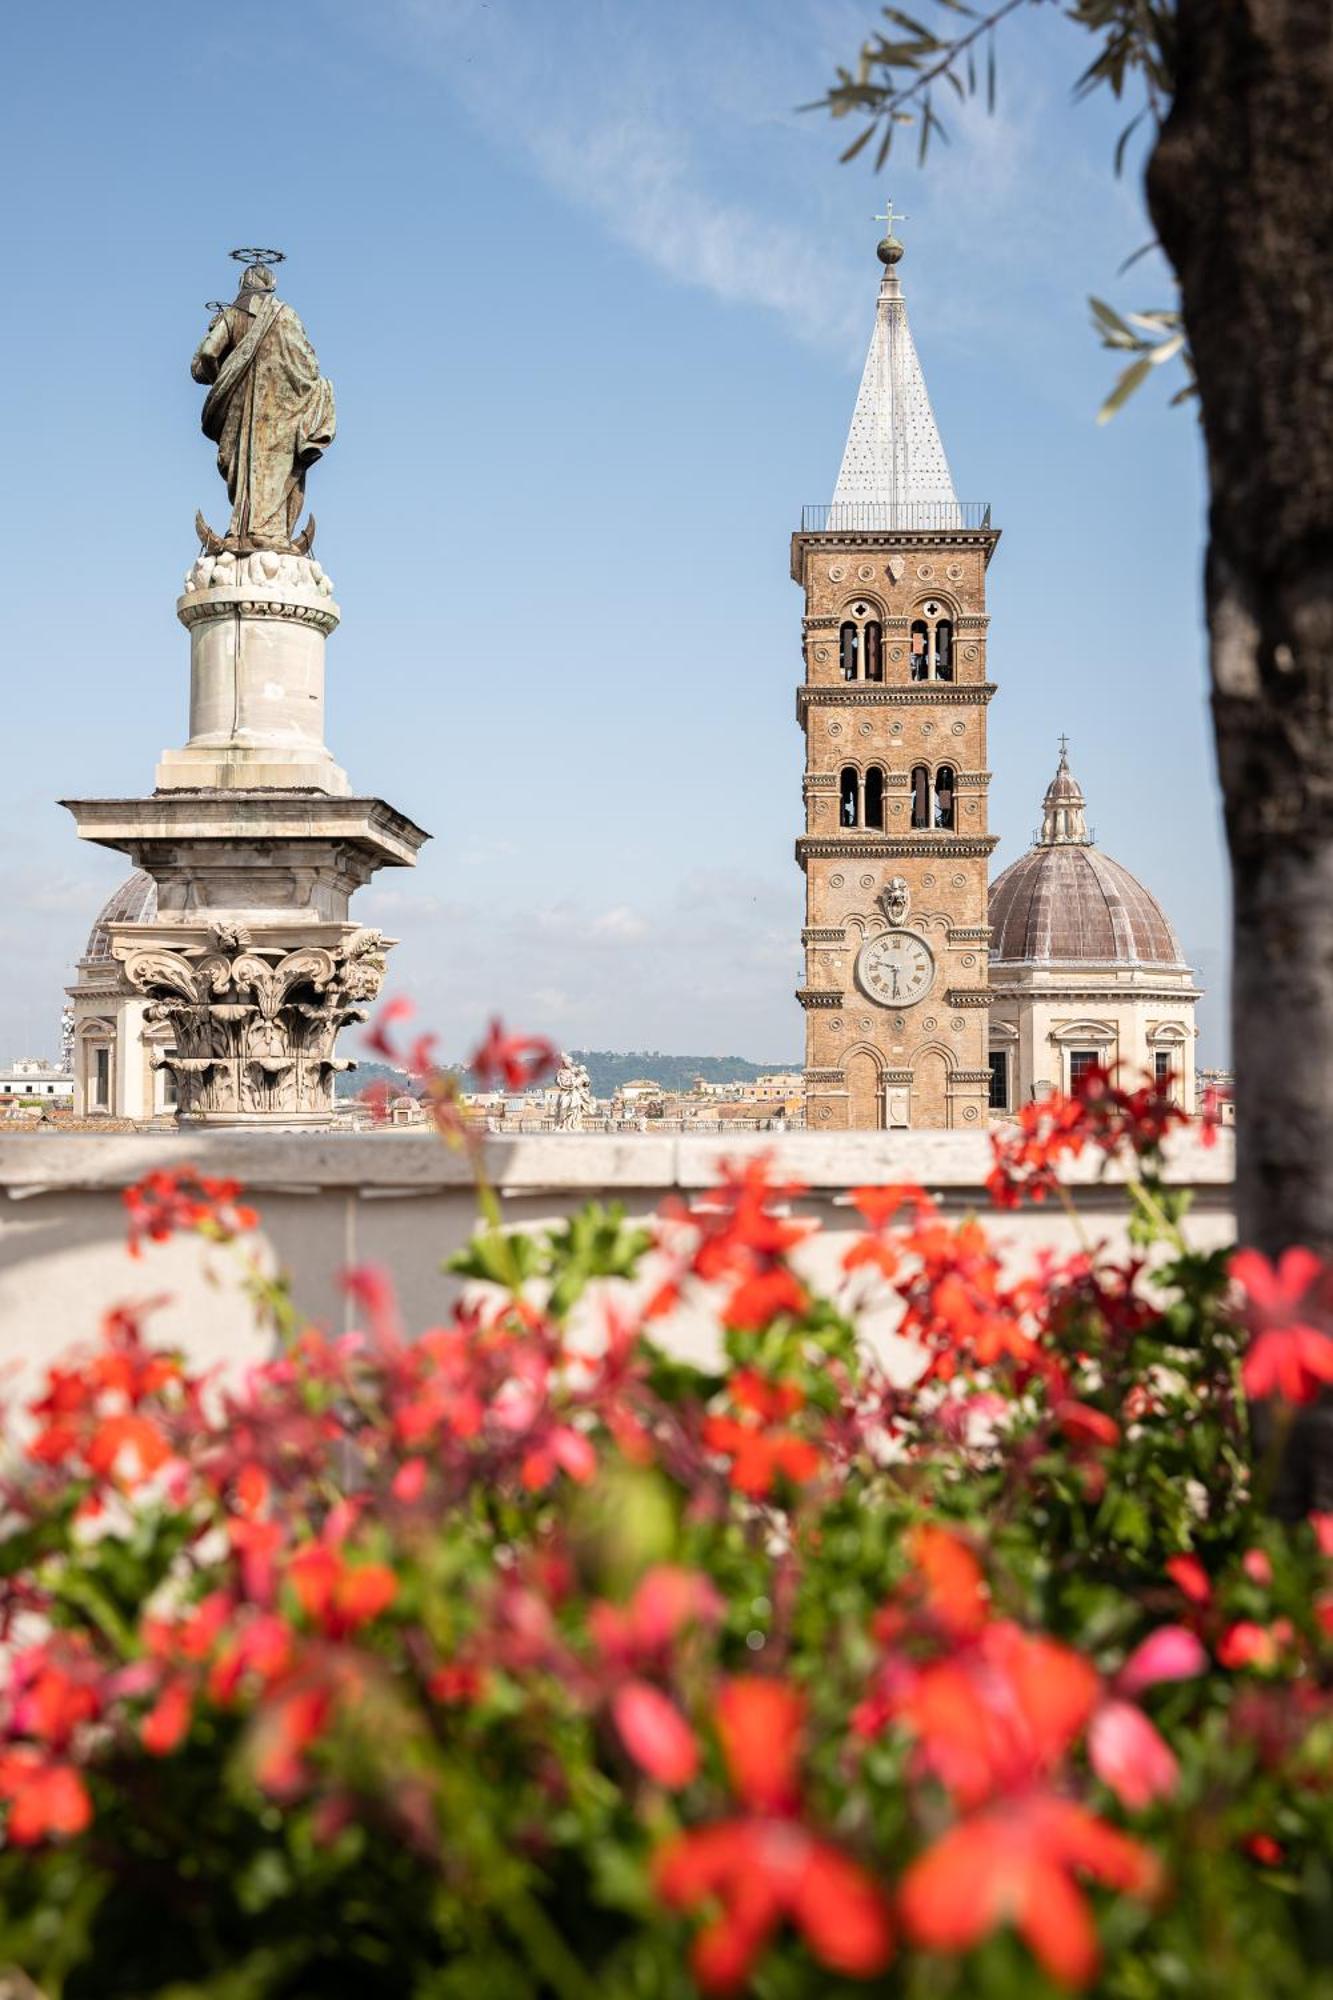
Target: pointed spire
(1064, 820)
(894, 473)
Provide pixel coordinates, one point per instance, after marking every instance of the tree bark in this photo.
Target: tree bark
(1241, 193)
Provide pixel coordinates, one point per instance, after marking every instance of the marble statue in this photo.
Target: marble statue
(573, 1095)
(268, 409)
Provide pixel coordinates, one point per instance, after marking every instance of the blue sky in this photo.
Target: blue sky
(594, 299)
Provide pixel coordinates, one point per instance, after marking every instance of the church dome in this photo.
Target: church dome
(134, 902)
(1063, 902)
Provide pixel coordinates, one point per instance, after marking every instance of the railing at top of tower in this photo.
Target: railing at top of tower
(863, 517)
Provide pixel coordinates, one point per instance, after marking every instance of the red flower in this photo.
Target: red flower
(760, 1871)
(520, 1059)
(168, 1720)
(761, 1453)
(44, 1799)
(182, 1198)
(1290, 1355)
(1000, 1715)
(763, 1866)
(758, 1299)
(334, 1594)
(1017, 1863)
(287, 1724)
(1084, 1425)
(759, 1725)
(128, 1449)
(950, 1581)
(655, 1733)
(1210, 1112)
(1190, 1578)
(377, 1034)
(1246, 1644)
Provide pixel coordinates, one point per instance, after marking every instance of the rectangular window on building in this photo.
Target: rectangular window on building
(999, 1079)
(102, 1079)
(170, 1095)
(1080, 1062)
(1163, 1067)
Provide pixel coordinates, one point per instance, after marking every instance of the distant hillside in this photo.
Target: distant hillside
(607, 1070)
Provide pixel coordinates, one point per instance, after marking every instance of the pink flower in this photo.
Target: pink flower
(655, 1733)
(1169, 1654)
(1289, 1355)
(1130, 1756)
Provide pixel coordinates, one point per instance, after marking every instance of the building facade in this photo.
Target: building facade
(1085, 968)
(893, 706)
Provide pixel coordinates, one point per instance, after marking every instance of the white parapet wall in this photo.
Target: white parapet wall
(403, 1200)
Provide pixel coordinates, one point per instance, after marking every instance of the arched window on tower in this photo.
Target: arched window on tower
(874, 798)
(944, 786)
(920, 650)
(849, 795)
(944, 650)
(920, 796)
(872, 642)
(848, 649)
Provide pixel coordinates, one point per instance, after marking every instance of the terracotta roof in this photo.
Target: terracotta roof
(134, 902)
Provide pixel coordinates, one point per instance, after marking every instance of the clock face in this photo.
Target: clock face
(896, 969)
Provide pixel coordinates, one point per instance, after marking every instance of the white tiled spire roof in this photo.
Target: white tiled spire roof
(894, 472)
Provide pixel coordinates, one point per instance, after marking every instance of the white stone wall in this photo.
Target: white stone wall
(329, 1200)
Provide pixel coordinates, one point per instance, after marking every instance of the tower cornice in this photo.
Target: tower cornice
(874, 847)
(828, 540)
(878, 694)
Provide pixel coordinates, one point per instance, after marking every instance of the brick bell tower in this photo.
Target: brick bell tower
(896, 846)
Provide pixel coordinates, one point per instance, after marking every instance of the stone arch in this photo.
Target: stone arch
(863, 1067)
(932, 1074)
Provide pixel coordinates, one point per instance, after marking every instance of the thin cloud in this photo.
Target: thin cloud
(644, 173)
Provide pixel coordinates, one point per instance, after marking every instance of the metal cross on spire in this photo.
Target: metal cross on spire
(889, 217)
(1064, 746)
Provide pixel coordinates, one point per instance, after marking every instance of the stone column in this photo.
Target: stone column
(241, 976)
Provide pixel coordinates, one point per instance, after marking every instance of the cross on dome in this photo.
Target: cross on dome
(1064, 820)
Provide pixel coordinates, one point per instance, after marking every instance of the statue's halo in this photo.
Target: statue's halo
(256, 256)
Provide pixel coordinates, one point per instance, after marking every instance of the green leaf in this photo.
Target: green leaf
(1124, 388)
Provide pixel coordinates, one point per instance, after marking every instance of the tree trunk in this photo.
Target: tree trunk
(1241, 193)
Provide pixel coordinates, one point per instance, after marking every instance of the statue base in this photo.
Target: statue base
(258, 626)
(251, 965)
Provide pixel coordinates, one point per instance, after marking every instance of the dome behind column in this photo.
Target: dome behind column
(134, 902)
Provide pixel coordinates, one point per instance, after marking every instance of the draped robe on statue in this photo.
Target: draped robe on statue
(270, 413)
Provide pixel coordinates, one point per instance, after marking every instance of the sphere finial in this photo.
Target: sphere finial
(889, 250)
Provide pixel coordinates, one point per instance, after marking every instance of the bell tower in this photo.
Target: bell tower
(893, 705)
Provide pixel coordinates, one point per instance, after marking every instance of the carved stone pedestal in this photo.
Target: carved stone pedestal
(251, 963)
(258, 625)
